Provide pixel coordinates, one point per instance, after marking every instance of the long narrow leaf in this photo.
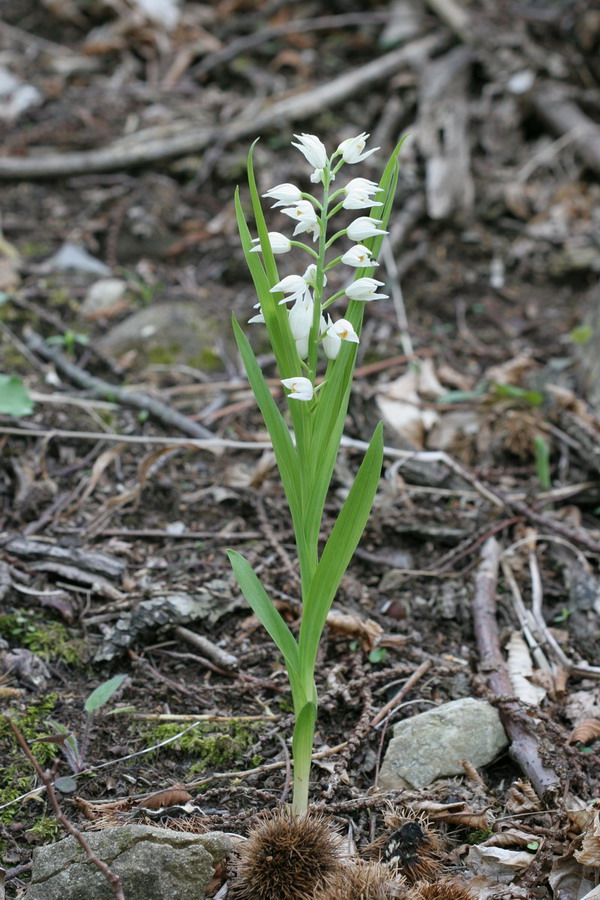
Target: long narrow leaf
(284, 449)
(338, 551)
(270, 619)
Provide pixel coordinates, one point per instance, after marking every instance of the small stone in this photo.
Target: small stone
(431, 744)
(172, 333)
(104, 299)
(152, 863)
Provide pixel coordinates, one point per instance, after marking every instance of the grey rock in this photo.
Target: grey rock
(152, 863)
(430, 745)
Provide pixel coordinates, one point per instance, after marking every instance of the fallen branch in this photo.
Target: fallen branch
(104, 390)
(564, 117)
(113, 880)
(525, 748)
(181, 138)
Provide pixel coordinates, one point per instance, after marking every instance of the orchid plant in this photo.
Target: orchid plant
(300, 335)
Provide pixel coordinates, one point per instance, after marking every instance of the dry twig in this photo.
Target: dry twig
(525, 749)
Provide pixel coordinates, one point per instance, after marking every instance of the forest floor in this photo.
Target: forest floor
(124, 142)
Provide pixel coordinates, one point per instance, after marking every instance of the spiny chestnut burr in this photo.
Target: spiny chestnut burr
(365, 881)
(288, 857)
(443, 889)
(413, 850)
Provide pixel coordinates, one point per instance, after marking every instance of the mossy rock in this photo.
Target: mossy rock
(170, 334)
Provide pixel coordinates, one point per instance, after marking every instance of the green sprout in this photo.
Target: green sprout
(299, 337)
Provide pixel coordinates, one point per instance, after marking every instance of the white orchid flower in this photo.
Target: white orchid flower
(352, 149)
(279, 243)
(339, 331)
(300, 318)
(300, 388)
(364, 227)
(294, 285)
(358, 257)
(331, 341)
(302, 346)
(363, 184)
(364, 289)
(304, 213)
(312, 149)
(358, 199)
(258, 318)
(284, 194)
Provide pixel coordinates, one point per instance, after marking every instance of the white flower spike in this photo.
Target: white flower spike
(304, 213)
(358, 257)
(279, 243)
(312, 148)
(300, 388)
(364, 227)
(364, 289)
(284, 194)
(352, 149)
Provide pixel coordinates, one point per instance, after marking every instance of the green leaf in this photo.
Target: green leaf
(338, 551)
(14, 397)
(269, 617)
(542, 461)
(103, 693)
(513, 392)
(66, 784)
(285, 452)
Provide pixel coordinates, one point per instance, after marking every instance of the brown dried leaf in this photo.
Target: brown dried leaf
(522, 798)
(367, 631)
(175, 796)
(511, 838)
(585, 731)
(589, 855)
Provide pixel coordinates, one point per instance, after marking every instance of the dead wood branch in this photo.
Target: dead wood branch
(443, 133)
(148, 146)
(563, 117)
(103, 390)
(525, 747)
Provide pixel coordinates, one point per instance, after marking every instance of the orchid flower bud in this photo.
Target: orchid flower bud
(279, 243)
(352, 149)
(364, 227)
(300, 388)
(364, 289)
(312, 149)
(302, 346)
(300, 318)
(358, 257)
(284, 194)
